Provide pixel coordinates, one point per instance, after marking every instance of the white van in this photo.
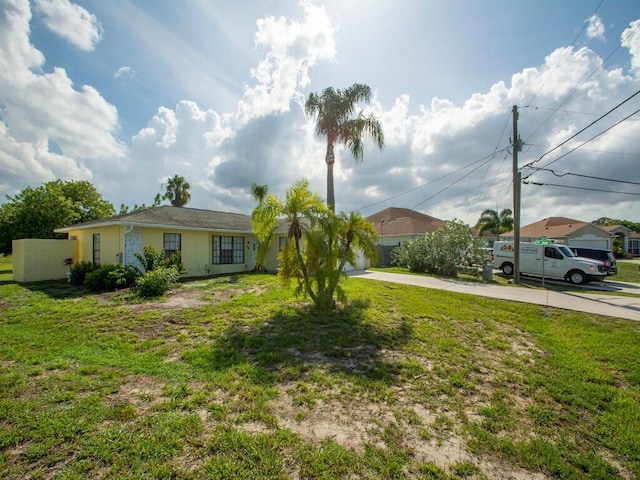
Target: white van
(549, 261)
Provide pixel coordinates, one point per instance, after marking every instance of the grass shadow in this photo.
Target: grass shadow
(58, 289)
(296, 341)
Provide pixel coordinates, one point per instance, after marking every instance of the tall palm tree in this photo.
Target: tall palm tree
(177, 191)
(494, 222)
(334, 119)
(259, 192)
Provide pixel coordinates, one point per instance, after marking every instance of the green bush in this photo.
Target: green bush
(110, 277)
(155, 283)
(446, 251)
(79, 272)
(151, 259)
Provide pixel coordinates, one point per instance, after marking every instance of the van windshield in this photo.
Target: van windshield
(565, 251)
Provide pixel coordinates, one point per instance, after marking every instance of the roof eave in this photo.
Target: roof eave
(147, 225)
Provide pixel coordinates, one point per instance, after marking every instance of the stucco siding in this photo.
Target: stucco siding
(120, 243)
(35, 260)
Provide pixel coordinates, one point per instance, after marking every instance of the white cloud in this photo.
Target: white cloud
(293, 47)
(125, 72)
(71, 22)
(595, 28)
(630, 39)
(434, 146)
(39, 108)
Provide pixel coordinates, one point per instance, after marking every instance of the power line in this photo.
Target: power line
(608, 152)
(544, 82)
(579, 188)
(564, 174)
(592, 138)
(490, 156)
(452, 183)
(480, 185)
(583, 81)
(573, 112)
(585, 128)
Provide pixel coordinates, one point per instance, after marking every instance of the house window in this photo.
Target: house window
(634, 247)
(227, 250)
(96, 249)
(172, 244)
(282, 241)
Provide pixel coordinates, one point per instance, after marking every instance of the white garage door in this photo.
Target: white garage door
(593, 242)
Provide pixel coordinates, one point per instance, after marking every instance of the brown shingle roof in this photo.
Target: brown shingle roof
(176, 217)
(403, 221)
(553, 227)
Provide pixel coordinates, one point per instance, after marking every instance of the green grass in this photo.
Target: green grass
(627, 272)
(232, 377)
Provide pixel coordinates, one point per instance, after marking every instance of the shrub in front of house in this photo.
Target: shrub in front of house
(152, 259)
(157, 282)
(79, 272)
(448, 250)
(111, 277)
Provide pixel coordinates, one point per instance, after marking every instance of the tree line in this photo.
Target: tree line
(37, 212)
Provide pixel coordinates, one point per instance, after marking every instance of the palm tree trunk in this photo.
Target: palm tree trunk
(330, 159)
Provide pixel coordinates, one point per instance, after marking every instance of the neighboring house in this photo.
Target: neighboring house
(395, 225)
(564, 230)
(209, 242)
(634, 244)
(630, 239)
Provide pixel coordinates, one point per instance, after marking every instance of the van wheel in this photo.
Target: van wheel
(577, 277)
(507, 269)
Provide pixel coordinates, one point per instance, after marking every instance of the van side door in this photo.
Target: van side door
(553, 262)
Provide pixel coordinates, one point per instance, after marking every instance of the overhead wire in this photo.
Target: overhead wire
(573, 92)
(453, 183)
(564, 174)
(544, 81)
(579, 188)
(601, 117)
(434, 180)
(478, 203)
(592, 138)
(607, 152)
(573, 112)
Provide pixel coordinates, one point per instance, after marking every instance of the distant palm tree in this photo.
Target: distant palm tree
(177, 191)
(334, 119)
(494, 222)
(259, 192)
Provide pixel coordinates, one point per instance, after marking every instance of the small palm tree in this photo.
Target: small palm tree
(494, 222)
(259, 192)
(334, 119)
(177, 191)
(320, 242)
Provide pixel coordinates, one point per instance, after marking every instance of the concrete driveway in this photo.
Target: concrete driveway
(589, 302)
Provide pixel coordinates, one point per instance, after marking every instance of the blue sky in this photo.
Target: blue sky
(126, 93)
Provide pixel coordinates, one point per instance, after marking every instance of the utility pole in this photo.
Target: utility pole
(517, 182)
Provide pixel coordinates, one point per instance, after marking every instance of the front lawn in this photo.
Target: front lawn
(233, 377)
(627, 272)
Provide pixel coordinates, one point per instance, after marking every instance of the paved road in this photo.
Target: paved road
(589, 302)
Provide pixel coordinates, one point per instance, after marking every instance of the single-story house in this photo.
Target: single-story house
(209, 242)
(396, 225)
(633, 247)
(564, 230)
(630, 239)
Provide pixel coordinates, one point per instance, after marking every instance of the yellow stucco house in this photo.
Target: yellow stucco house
(210, 242)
